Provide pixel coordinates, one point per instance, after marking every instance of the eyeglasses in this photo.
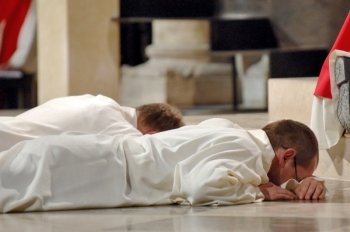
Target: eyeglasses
(295, 168)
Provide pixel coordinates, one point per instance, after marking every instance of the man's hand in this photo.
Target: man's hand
(311, 189)
(273, 192)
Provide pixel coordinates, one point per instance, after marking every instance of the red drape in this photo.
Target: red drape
(12, 15)
(323, 87)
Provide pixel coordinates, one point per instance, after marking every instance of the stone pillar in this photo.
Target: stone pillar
(179, 70)
(78, 48)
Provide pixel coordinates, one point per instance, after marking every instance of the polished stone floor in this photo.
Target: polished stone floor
(331, 215)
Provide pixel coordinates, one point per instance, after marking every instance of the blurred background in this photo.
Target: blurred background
(200, 55)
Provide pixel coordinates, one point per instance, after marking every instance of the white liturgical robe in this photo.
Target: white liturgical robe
(84, 113)
(196, 165)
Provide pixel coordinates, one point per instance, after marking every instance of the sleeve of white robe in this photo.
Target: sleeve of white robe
(227, 177)
(84, 114)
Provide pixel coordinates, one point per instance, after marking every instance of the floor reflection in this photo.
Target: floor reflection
(330, 215)
(226, 223)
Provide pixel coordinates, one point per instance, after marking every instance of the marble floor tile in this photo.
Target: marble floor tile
(330, 215)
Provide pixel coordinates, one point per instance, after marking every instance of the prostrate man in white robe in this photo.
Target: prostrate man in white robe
(87, 114)
(195, 165)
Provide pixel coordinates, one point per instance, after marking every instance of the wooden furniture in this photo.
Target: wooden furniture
(17, 89)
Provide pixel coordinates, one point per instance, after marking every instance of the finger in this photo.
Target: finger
(323, 194)
(311, 190)
(302, 190)
(286, 194)
(286, 197)
(318, 192)
(281, 194)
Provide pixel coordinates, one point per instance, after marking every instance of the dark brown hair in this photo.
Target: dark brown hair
(293, 134)
(160, 116)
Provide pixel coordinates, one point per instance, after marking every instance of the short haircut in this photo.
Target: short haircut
(293, 134)
(160, 116)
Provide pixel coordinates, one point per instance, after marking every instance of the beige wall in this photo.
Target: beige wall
(78, 48)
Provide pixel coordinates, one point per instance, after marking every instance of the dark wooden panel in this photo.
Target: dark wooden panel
(242, 34)
(167, 8)
(301, 63)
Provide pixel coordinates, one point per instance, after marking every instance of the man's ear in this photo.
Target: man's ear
(283, 155)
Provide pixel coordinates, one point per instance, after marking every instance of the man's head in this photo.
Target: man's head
(157, 117)
(296, 150)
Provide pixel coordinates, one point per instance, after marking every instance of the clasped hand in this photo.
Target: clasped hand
(309, 189)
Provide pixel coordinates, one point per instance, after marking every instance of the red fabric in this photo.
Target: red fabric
(323, 87)
(13, 13)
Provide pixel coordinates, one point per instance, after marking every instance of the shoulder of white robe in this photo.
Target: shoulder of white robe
(261, 139)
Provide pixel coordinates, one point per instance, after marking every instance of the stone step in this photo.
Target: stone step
(292, 98)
